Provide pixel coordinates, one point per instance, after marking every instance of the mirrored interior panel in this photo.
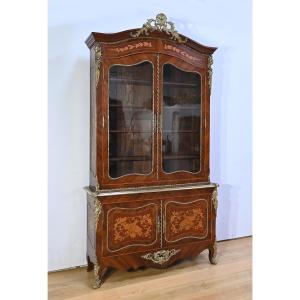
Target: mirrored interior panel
(130, 119)
(181, 120)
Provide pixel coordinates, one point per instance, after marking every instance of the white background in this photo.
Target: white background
(223, 24)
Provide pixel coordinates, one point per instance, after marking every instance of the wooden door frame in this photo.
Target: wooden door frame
(185, 176)
(126, 180)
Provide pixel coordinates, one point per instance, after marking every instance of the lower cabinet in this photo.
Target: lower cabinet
(152, 229)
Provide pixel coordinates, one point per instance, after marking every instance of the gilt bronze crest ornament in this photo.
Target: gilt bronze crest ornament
(160, 23)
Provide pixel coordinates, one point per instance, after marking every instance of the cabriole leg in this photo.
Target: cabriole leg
(213, 254)
(99, 274)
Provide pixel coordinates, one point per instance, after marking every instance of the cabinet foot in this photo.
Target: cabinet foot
(213, 254)
(99, 273)
(90, 265)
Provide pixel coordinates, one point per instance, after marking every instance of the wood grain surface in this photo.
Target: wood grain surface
(193, 279)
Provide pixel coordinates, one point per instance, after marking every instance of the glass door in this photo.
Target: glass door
(130, 120)
(130, 107)
(182, 120)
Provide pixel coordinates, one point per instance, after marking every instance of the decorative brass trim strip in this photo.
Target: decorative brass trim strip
(97, 211)
(215, 252)
(154, 123)
(210, 71)
(160, 23)
(165, 225)
(98, 60)
(98, 279)
(161, 257)
(152, 189)
(214, 199)
(158, 224)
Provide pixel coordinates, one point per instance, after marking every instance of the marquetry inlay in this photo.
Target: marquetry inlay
(132, 47)
(181, 52)
(133, 227)
(185, 220)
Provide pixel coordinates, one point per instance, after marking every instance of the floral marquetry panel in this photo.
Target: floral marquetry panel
(131, 227)
(186, 220)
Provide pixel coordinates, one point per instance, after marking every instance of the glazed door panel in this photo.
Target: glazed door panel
(129, 134)
(186, 219)
(183, 142)
(131, 227)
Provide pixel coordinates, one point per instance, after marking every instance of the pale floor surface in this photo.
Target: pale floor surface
(194, 279)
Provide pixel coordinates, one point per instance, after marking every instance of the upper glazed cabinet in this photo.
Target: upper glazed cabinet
(150, 97)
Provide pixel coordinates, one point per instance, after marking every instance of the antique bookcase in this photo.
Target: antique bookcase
(150, 201)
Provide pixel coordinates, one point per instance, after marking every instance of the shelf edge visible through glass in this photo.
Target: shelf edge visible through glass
(130, 158)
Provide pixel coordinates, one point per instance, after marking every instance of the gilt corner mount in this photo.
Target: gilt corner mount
(160, 23)
(98, 59)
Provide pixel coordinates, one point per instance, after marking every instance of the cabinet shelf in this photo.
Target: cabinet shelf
(179, 84)
(164, 131)
(170, 157)
(131, 107)
(180, 131)
(179, 107)
(130, 81)
(128, 131)
(130, 158)
(146, 82)
(147, 158)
